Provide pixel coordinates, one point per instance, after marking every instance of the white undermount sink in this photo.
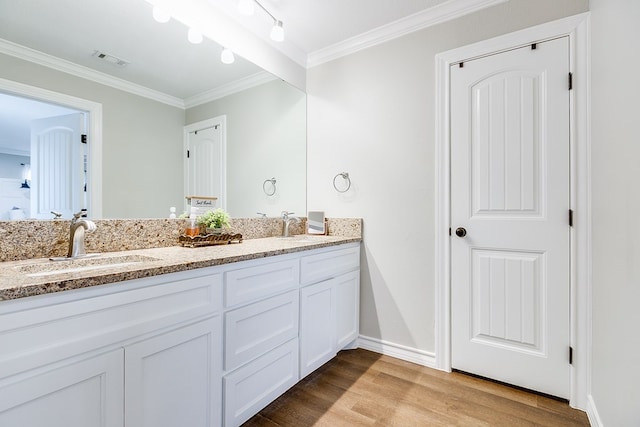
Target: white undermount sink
(49, 268)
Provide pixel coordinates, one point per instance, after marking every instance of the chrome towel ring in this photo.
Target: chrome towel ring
(345, 176)
(269, 190)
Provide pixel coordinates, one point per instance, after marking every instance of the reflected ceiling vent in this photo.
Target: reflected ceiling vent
(121, 63)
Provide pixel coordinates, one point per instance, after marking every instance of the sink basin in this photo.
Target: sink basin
(50, 268)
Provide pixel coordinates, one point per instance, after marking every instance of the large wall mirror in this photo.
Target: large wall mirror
(151, 84)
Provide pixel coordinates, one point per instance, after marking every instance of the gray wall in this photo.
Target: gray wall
(372, 114)
(615, 92)
(142, 141)
(266, 134)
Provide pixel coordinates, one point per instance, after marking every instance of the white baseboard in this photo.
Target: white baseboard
(398, 351)
(592, 413)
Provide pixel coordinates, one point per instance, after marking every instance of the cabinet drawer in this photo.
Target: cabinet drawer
(314, 268)
(252, 283)
(255, 385)
(257, 328)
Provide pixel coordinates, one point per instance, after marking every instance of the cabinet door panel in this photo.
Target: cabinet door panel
(347, 308)
(174, 379)
(80, 393)
(257, 328)
(317, 326)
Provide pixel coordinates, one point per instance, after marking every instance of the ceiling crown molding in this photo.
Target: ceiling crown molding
(443, 12)
(14, 152)
(229, 88)
(40, 58)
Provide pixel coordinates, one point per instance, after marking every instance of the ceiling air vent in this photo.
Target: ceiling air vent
(110, 59)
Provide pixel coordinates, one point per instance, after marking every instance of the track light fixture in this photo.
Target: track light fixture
(277, 32)
(245, 7)
(160, 15)
(194, 36)
(227, 56)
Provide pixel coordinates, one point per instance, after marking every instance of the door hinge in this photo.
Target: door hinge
(449, 231)
(570, 217)
(570, 81)
(570, 355)
(534, 46)
(188, 154)
(83, 138)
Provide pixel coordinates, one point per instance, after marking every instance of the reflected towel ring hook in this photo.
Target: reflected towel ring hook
(345, 176)
(269, 191)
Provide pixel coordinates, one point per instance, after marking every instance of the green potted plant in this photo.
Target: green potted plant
(214, 221)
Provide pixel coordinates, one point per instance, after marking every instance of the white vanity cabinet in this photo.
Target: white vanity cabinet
(200, 348)
(300, 311)
(138, 353)
(329, 305)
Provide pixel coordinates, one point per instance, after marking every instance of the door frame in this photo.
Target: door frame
(577, 29)
(206, 124)
(94, 132)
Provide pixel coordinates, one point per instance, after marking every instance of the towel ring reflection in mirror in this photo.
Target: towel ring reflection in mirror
(269, 186)
(347, 180)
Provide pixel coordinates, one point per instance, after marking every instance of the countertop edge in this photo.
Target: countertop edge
(15, 285)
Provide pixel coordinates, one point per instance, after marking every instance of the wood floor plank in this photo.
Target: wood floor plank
(363, 388)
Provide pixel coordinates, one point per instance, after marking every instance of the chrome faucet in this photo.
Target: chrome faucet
(287, 221)
(79, 224)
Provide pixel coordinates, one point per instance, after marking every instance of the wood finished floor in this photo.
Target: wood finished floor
(363, 388)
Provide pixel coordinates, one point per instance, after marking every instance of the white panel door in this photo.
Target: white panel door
(57, 166)
(510, 194)
(206, 163)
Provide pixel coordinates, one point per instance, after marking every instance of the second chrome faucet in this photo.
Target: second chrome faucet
(287, 218)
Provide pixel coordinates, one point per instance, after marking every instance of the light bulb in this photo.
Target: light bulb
(194, 36)
(245, 7)
(227, 56)
(277, 32)
(160, 15)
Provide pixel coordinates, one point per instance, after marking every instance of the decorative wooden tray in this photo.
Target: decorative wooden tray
(209, 240)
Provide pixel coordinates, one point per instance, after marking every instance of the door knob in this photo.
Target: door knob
(461, 232)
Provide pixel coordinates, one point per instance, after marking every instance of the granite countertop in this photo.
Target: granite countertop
(20, 279)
